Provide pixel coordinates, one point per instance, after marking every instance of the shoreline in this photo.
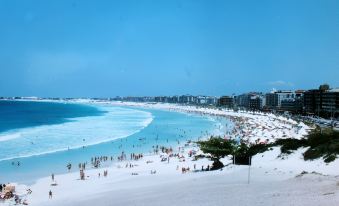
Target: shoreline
(144, 146)
(266, 170)
(147, 122)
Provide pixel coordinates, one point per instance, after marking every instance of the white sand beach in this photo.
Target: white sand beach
(273, 180)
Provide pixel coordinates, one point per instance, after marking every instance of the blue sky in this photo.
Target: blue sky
(142, 47)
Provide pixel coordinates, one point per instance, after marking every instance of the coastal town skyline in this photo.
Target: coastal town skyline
(322, 101)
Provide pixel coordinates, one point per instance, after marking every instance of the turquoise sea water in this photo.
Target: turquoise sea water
(107, 130)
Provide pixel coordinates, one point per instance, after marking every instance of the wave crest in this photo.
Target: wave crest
(116, 123)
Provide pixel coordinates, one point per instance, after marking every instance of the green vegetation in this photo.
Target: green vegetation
(250, 150)
(290, 144)
(323, 144)
(218, 148)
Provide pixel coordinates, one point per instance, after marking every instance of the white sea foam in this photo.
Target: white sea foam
(85, 131)
(9, 135)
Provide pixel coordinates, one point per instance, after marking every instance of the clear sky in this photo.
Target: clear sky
(102, 48)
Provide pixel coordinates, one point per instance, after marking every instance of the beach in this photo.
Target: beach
(176, 178)
(48, 149)
(169, 103)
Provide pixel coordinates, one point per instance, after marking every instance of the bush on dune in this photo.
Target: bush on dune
(250, 150)
(323, 144)
(258, 148)
(320, 144)
(290, 144)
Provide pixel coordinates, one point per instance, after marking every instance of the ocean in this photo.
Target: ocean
(44, 136)
(21, 114)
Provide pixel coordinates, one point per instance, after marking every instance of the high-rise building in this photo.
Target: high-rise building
(255, 102)
(271, 100)
(226, 101)
(322, 102)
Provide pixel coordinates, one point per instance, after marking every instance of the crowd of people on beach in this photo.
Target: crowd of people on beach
(7, 192)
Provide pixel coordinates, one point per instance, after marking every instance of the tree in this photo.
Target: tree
(218, 148)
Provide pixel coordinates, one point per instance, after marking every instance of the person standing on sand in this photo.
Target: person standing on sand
(52, 177)
(50, 194)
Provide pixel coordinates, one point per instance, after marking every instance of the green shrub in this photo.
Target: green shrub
(252, 149)
(290, 144)
(323, 144)
(217, 147)
(311, 154)
(330, 158)
(320, 144)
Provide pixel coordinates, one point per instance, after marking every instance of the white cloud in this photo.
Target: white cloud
(281, 83)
